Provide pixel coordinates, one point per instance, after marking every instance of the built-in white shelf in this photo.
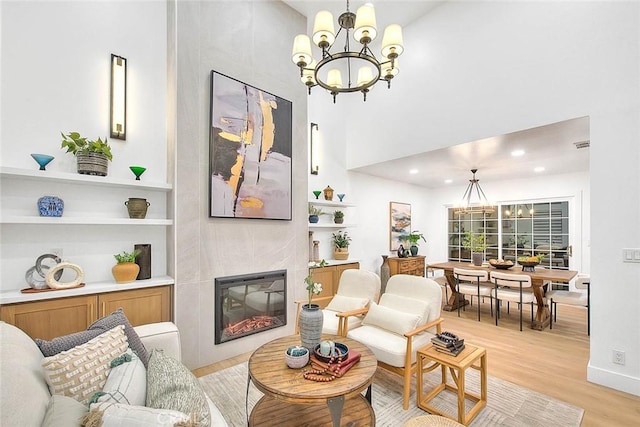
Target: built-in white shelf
(14, 296)
(76, 178)
(331, 203)
(318, 225)
(66, 220)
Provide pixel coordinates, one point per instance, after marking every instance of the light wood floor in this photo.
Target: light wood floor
(553, 362)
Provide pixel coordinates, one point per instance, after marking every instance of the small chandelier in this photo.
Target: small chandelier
(478, 205)
(363, 24)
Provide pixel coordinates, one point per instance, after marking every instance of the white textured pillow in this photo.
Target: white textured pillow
(392, 320)
(341, 303)
(83, 370)
(406, 305)
(127, 383)
(119, 414)
(63, 411)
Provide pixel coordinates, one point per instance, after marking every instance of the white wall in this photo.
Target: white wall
(480, 69)
(55, 76)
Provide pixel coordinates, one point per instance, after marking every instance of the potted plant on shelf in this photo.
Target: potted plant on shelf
(476, 244)
(126, 270)
(93, 155)
(341, 243)
(338, 217)
(314, 214)
(413, 239)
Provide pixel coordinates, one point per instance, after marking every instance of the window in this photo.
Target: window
(514, 230)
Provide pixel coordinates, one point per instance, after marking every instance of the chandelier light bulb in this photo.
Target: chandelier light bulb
(365, 75)
(323, 30)
(392, 43)
(334, 78)
(308, 74)
(390, 70)
(365, 27)
(301, 52)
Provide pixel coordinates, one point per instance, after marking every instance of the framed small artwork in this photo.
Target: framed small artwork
(249, 151)
(400, 223)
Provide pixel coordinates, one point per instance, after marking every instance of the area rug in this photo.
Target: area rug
(507, 403)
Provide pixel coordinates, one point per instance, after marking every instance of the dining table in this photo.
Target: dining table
(540, 278)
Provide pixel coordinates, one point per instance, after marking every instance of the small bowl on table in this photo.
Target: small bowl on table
(296, 356)
(501, 265)
(529, 266)
(340, 350)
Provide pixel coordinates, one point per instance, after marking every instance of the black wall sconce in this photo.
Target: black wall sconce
(314, 151)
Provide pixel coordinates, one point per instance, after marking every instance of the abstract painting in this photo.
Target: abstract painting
(249, 151)
(400, 223)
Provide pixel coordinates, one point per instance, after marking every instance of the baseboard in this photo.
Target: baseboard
(613, 380)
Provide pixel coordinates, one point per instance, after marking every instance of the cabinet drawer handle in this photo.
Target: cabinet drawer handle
(104, 308)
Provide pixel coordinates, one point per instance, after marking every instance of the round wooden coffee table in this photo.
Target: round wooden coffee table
(289, 399)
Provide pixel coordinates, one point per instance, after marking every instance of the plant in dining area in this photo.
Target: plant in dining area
(413, 238)
(126, 270)
(477, 244)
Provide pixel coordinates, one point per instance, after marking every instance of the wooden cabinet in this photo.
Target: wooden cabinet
(330, 277)
(413, 265)
(52, 318)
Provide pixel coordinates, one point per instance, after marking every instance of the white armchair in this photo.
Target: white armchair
(406, 319)
(345, 310)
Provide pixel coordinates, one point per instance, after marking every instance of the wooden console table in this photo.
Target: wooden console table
(290, 399)
(411, 265)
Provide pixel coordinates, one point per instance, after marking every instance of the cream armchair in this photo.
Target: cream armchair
(344, 310)
(405, 319)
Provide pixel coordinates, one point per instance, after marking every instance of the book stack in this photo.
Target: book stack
(448, 343)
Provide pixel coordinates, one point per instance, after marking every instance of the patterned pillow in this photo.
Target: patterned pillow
(170, 385)
(67, 342)
(83, 370)
(127, 382)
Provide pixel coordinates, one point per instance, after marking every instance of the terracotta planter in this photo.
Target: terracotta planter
(125, 272)
(341, 253)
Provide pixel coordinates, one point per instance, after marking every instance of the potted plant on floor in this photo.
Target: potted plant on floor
(338, 217)
(93, 155)
(413, 239)
(341, 243)
(126, 270)
(476, 244)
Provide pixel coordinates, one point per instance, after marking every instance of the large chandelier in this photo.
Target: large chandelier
(474, 204)
(370, 71)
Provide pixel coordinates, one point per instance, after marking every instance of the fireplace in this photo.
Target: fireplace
(249, 303)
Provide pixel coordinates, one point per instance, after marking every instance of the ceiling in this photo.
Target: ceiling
(552, 146)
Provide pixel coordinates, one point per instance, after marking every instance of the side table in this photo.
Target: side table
(472, 356)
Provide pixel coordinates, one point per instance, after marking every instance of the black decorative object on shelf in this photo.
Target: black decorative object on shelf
(143, 259)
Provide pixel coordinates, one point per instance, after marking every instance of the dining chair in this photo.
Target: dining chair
(582, 299)
(512, 288)
(473, 283)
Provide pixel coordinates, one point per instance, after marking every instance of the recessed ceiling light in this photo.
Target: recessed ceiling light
(413, 171)
(517, 153)
(539, 169)
(448, 181)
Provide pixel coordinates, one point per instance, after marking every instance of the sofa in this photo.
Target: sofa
(25, 398)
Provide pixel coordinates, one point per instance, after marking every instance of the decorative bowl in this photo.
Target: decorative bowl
(529, 266)
(42, 159)
(501, 265)
(296, 356)
(341, 350)
(137, 171)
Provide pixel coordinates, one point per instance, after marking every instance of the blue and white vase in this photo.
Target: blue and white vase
(50, 206)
